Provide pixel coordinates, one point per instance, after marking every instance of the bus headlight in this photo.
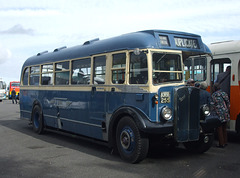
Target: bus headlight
(166, 113)
(206, 110)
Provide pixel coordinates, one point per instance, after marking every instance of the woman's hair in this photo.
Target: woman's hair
(203, 85)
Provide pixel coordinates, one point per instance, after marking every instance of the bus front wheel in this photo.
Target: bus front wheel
(37, 120)
(132, 145)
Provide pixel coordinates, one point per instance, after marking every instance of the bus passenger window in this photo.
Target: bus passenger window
(34, 75)
(138, 69)
(99, 69)
(118, 68)
(25, 77)
(62, 73)
(47, 74)
(81, 71)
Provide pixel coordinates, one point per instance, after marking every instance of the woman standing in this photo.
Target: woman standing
(221, 105)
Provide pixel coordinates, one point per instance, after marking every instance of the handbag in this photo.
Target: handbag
(213, 120)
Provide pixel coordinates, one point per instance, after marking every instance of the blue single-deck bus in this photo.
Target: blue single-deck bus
(126, 91)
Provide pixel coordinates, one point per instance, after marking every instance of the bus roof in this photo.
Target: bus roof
(225, 47)
(142, 39)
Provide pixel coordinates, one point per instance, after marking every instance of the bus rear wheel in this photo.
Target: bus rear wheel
(132, 145)
(37, 119)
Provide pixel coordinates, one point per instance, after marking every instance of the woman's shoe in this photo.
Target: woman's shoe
(220, 146)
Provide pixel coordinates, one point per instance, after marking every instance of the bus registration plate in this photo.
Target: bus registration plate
(165, 97)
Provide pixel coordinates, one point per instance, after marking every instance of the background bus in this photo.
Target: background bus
(225, 54)
(16, 86)
(2, 90)
(127, 91)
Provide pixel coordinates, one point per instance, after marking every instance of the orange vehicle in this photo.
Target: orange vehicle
(227, 53)
(14, 85)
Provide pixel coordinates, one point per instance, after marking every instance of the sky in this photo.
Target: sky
(28, 27)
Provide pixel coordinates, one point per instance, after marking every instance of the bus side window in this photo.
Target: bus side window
(99, 69)
(118, 68)
(81, 71)
(47, 74)
(25, 76)
(34, 75)
(138, 69)
(62, 73)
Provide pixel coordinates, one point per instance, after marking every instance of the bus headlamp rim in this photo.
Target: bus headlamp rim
(166, 113)
(206, 110)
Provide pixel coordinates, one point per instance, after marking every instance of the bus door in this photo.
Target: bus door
(218, 66)
(98, 93)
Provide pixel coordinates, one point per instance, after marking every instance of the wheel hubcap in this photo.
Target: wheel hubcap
(127, 139)
(206, 139)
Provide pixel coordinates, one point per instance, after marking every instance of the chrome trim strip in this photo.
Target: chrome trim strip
(65, 119)
(79, 122)
(46, 115)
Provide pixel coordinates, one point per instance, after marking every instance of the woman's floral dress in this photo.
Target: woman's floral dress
(220, 103)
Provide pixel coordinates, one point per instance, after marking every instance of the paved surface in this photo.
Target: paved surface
(23, 153)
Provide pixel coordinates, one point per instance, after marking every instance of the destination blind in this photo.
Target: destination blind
(186, 43)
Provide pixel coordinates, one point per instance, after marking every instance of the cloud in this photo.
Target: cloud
(18, 29)
(27, 11)
(5, 54)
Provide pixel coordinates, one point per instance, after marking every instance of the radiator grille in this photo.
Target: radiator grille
(187, 114)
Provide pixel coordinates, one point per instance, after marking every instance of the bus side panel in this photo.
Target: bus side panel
(27, 98)
(116, 100)
(25, 105)
(235, 97)
(70, 110)
(138, 100)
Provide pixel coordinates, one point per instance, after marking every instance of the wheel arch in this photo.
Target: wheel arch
(137, 115)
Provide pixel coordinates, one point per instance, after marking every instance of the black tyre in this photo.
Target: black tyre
(132, 145)
(37, 120)
(202, 145)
